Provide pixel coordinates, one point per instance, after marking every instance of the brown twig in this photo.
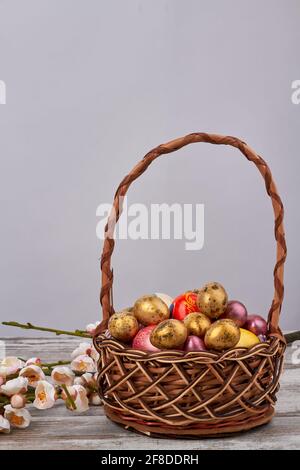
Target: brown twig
(30, 326)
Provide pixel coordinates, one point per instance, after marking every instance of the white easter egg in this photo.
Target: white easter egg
(165, 298)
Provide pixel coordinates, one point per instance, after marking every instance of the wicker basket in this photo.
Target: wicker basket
(194, 394)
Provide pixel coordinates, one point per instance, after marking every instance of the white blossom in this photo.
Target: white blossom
(13, 386)
(71, 391)
(18, 418)
(33, 373)
(81, 399)
(33, 360)
(79, 381)
(62, 375)
(83, 363)
(89, 380)
(91, 327)
(85, 349)
(94, 354)
(79, 395)
(4, 425)
(10, 365)
(45, 395)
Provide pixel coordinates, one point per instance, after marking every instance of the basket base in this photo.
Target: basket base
(199, 431)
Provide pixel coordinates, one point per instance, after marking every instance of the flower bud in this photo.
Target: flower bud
(94, 399)
(18, 400)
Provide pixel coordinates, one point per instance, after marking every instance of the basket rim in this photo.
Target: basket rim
(267, 348)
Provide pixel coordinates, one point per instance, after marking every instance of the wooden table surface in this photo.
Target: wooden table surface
(59, 428)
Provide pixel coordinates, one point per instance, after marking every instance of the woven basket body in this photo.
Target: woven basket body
(195, 394)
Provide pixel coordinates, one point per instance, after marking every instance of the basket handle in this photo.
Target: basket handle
(251, 155)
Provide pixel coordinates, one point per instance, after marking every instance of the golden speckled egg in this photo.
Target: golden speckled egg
(123, 326)
(247, 339)
(170, 334)
(212, 299)
(222, 335)
(150, 310)
(197, 324)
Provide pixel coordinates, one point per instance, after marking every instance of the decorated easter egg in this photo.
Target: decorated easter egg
(170, 334)
(247, 339)
(142, 340)
(123, 326)
(183, 305)
(256, 324)
(194, 343)
(212, 299)
(197, 324)
(165, 298)
(235, 311)
(222, 335)
(150, 310)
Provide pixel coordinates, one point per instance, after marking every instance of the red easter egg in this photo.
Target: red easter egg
(183, 305)
(141, 340)
(256, 324)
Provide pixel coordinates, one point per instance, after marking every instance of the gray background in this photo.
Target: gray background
(93, 85)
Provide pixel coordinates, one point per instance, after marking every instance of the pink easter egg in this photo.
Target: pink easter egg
(236, 311)
(141, 340)
(194, 343)
(256, 324)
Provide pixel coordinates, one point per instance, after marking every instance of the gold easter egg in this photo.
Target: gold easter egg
(123, 326)
(150, 310)
(222, 335)
(197, 324)
(170, 334)
(212, 299)
(247, 339)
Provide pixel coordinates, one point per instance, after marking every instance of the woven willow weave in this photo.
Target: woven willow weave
(173, 393)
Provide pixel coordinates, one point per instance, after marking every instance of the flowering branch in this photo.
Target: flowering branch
(48, 365)
(4, 401)
(25, 382)
(30, 326)
(69, 398)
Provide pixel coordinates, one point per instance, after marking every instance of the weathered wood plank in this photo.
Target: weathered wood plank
(59, 428)
(49, 349)
(96, 432)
